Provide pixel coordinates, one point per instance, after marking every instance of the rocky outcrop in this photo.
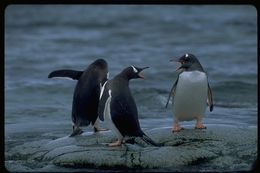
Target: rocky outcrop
(222, 148)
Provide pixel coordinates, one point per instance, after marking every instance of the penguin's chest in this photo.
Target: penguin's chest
(108, 118)
(190, 98)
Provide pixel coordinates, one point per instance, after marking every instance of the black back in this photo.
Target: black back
(123, 109)
(86, 93)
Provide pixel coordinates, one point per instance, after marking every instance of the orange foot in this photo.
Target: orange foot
(115, 144)
(200, 126)
(176, 128)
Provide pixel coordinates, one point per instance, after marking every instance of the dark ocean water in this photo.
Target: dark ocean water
(43, 38)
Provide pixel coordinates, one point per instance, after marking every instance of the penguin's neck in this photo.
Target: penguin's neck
(122, 79)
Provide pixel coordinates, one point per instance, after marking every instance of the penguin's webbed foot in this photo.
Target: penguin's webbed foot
(116, 143)
(200, 126)
(98, 129)
(177, 128)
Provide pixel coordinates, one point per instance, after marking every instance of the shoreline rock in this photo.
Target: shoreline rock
(221, 148)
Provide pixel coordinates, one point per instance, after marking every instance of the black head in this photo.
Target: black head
(101, 68)
(132, 72)
(189, 62)
(100, 63)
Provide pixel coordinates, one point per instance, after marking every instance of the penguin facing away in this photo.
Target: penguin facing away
(190, 93)
(117, 107)
(86, 93)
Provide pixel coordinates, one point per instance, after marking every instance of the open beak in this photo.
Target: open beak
(141, 75)
(178, 68)
(177, 60)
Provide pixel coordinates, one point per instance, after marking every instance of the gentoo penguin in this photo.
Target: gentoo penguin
(117, 107)
(191, 93)
(86, 93)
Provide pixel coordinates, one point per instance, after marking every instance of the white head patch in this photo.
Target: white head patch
(107, 75)
(186, 55)
(134, 69)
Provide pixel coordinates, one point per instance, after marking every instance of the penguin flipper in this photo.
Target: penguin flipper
(210, 99)
(172, 92)
(73, 74)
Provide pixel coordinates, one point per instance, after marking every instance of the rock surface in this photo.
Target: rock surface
(218, 148)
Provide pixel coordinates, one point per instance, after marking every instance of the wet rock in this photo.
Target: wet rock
(15, 166)
(223, 148)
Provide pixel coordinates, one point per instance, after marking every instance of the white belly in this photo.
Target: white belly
(190, 100)
(108, 119)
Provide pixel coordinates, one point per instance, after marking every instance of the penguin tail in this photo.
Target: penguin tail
(148, 140)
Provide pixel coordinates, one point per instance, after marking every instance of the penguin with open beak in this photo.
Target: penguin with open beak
(191, 93)
(118, 108)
